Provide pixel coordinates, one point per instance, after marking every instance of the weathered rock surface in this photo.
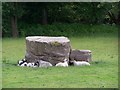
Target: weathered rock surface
(51, 49)
(80, 55)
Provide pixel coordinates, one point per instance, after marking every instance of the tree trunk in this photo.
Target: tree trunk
(44, 16)
(118, 18)
(14, 26)
(112, 18)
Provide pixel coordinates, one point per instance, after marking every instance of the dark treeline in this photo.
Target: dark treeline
(20, 16)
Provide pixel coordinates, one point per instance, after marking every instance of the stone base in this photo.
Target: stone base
(80, 55)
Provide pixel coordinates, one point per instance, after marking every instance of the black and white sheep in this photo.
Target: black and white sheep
(38, 63)
(22, 62)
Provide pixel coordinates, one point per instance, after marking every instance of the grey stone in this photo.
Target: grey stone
(50, 49)
(81, 55)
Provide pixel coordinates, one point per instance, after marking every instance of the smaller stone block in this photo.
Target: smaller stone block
(81, 55)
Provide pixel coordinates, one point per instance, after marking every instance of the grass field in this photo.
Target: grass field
(103, 72)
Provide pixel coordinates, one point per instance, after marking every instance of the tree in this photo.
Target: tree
(56, 12)
(12, 11)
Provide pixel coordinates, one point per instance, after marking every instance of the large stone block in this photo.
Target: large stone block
(52, 49)
(81, 55)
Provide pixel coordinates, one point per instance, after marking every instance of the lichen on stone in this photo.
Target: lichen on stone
(55, 43)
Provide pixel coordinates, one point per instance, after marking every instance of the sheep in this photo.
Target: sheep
(41, 63)
(21, 62)
(62, 64)
(24, 64)
(36, 64)
(30, 65)
(80, 63)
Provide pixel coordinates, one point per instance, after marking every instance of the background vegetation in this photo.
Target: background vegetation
(58, 18)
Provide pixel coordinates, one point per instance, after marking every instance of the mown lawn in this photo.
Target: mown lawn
(103, 72)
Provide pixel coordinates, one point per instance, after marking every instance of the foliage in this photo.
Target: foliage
(13, 9)
(61, 29)
(65, 29)
(9, 10)
(30, 16)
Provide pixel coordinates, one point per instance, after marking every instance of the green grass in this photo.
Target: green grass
(103, 72)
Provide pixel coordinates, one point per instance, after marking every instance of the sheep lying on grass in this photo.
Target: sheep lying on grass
(80, 63)
(31, 65)
(38, 63)
(42, 63)
(22, 62)
(62, 64)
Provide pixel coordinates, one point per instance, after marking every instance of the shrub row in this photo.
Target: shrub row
(58, 29)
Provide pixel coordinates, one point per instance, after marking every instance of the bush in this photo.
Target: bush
(58, 29)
